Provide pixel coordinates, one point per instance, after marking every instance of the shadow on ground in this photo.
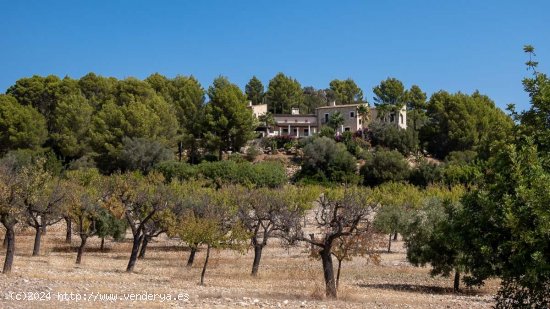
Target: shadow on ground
(419, 288)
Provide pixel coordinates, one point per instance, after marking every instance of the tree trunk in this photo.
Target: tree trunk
(389, 243)
(456, 285)
(205, 263)
(338, 273)
(143, 247)
(328, 272)
(102, 246)
(134, 254)
(83, 239)
(257, 256)
(43, 226)
(37, 239)
(68, 232)
(10, 248)
(191, 258)
(395, 236)
(180, 151)
(5, 243)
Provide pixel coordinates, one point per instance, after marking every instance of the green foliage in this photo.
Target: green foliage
(229, 122)
(397, 202)
(262, 174)
(427, 173)
(346, 91)
(383, 166)
(174, 170)
(392, 137)
(324, 160)
(459, 122)
(336, 120)
(432, 237)
(139, 113)
(142, 154)
(254, 90)
(312, 99)
(71, 125)
(390, 96)
(20, 126)
(283, 93)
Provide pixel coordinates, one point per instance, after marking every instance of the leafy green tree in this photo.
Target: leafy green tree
(188, 96)
(229, 123)
(109, 225)
(20, 126)
(313, 98)
(254, 91)
(390, 96)
(383, 166)
(506, 218)
(72, 121)
(39, 92)
(459, 122)
(137, 112)
(283, 93)
(433, 236)
(534, 121)
(346, 91)
(416, 110)
(397, 201)
(392, 137)
(336, 120)
(324, 160)
(97, 89)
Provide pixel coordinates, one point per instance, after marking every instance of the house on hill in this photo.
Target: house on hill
(303, 125)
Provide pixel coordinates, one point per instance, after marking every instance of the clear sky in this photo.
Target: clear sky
(452, 45)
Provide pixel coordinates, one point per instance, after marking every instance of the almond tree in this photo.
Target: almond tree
(137, 198)
(213, 223)
(84, 204)
(11, 211)
(266, 212)
(341, 212)
(42, 197)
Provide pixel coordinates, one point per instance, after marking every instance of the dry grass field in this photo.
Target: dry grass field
(288, 278)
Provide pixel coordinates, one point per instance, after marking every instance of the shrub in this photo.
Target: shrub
(382, 166)
(324, 160)
(389, 136)
(426, 173)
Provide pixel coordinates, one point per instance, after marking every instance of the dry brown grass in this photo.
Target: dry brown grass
(287, 278)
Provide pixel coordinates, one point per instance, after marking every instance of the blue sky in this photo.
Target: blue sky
(452, 45)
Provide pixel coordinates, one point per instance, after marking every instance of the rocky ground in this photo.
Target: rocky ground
(288, 278)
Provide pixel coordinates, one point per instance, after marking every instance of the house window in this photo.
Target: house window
(306, 132)
(285, 131)
(360, 121)
(295, 131)
(347, 129)
(401, 118)
(326, 117)
(351, 114)
(392, 118)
